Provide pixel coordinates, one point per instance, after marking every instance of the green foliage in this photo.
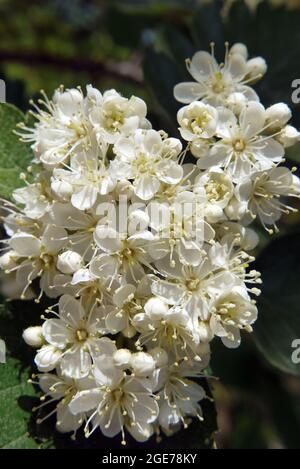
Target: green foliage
(278, 322)
(16, 395)
(14, 155)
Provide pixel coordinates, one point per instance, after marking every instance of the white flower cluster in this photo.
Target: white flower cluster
(147, 255)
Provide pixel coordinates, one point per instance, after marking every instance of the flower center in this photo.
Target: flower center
(239, 145)
(193, 284)
(47, 261)
(114, 119)
(81, 335)
(218, 85)
(143, 164)
(215, 190)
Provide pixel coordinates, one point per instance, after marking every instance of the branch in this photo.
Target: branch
(129, 71)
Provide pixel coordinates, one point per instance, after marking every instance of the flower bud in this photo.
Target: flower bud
(256, 68)
(213, 213)
(289, 136)
(33, 336)
(7, 260)
(69, 262)
(122, 358)
(124, 188)
(277, 116)
(160, 356)
(156, 308)
(236, 102)
(47, 357)
(240, 49)
(235, 210)
(142, 363)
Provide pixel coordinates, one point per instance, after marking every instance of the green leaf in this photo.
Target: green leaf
(17, 396)
(161, 75)
(14, 155)
(15, 393)
(278, 323)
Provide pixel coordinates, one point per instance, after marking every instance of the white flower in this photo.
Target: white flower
(126, 255)
(88, 177)
(230, 313)
(127, 301)
(115, 115)
(148, 160)
(38, 258)
(190, 286)
(180, 227)
(218, 191)
(61, 390)
(147, 255)
(80, 226)
(62, 127)
(214, 83)
(179, 395)
(243, 149)
(117, 402)
(232, 233)
(77, 334)
(262, 194)
(35, 197)
(197, 121)
(171, 330)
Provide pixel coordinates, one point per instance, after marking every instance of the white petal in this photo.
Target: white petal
(121, 295)
(26, 244)
(146, 187)
(56, 333)
(203, 65)
(66, 422)
(252, 119)
(169, 172)
(85, 401)
(76, 363)
(226, 121)
(107, 239)
(85, 198)
(169, 292)
(188, 92)
(70, 310)
(54, 238)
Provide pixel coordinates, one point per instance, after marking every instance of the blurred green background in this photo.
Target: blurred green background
(139, 47)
